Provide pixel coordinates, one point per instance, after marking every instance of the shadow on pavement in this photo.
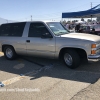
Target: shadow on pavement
(88, 73)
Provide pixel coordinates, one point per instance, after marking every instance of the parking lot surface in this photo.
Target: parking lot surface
(31, 78)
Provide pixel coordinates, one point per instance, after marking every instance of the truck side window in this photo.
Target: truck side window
(12, 29)
(17, 29)
(37, 29)
(5, 30)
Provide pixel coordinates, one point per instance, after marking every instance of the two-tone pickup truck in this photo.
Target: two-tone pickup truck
(48, 39)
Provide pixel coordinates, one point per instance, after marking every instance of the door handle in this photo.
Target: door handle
(28, 41)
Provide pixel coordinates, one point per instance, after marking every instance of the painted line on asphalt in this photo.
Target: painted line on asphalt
(1, 53)
(22, 76)
(12, 80)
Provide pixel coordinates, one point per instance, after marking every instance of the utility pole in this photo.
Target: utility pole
(31, 17)
(91, 8)
(91, 4)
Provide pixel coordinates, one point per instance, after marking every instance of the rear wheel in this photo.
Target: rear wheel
(9, 53)
(71, 58)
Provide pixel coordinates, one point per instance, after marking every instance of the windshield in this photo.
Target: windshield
(57, 28)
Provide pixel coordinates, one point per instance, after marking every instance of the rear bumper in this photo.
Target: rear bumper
(94, 56)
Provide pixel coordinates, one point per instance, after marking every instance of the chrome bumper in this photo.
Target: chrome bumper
(94, 56)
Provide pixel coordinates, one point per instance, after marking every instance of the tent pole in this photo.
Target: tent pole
(91, 17)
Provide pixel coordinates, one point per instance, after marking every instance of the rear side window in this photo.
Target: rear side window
(5, 30)
(12, 29)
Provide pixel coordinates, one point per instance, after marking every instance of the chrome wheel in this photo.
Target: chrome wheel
(9, 53)
(68, 59)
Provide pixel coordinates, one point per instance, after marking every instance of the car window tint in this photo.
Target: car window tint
(5, 30)
(17, 29)
(12, 29)
(37, 29)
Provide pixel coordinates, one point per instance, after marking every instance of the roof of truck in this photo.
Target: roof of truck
(30, 21)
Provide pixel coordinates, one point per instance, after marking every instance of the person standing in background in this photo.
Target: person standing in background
(77, 28)
(67, 26)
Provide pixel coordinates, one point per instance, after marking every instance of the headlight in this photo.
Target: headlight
(93, 48)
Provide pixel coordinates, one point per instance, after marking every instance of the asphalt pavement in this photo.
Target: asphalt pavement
(31, 78)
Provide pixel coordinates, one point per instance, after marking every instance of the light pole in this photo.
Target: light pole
(91, 8)
(31, 17)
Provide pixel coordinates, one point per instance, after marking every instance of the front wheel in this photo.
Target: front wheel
(9, 53)
(71, 58)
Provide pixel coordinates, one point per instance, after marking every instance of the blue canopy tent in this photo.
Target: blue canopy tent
(91, 13)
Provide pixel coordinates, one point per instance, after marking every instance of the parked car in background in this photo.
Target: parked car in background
(85, 28)
(95, 29)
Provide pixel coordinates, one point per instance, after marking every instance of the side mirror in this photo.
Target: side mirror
(46, 35)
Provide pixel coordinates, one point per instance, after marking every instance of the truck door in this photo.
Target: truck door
(40, 42)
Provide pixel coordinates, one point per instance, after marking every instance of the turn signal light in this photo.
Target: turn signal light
(93, 46)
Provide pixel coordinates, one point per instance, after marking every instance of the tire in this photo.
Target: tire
(9, 53)
(71, 58)
(84, 60)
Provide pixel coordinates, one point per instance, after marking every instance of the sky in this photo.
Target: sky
(24, 10)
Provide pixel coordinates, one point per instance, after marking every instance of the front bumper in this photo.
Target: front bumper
(94, 56)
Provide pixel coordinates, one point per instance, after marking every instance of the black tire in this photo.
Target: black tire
(84, 60)
(13, 54)
(71, 58)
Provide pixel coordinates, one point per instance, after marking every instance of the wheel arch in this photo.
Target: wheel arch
(81, 52)
(5, 45)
